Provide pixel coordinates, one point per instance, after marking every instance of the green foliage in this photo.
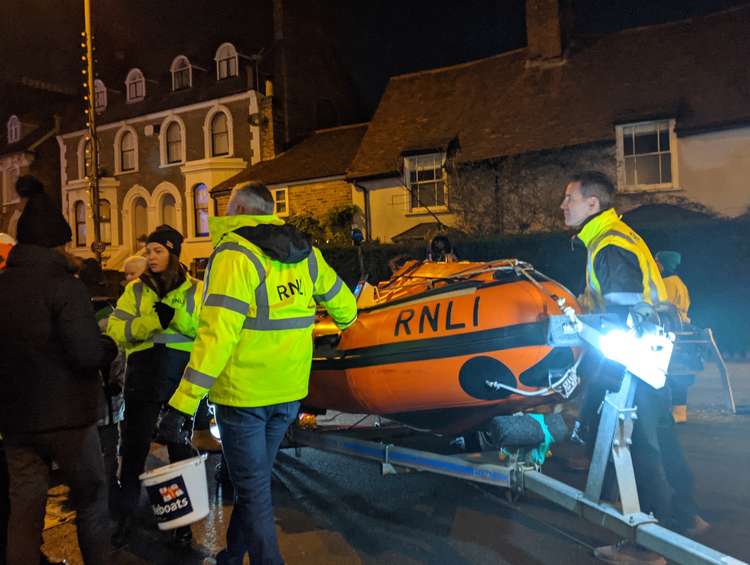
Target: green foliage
(309, 224)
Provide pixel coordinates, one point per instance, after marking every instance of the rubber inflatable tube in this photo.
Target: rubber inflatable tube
(522, 430)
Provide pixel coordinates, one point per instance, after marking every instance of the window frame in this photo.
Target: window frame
(14, 129)
(285, 200)
(214, 134)
(80, 224)
(169, 145)
(135, 79)
(177, 69)
(119, 151)
(207, 132)
(622, 185)
(197, 207)
(108, 222)
(410, 161)
(100, 96)
(231, 57)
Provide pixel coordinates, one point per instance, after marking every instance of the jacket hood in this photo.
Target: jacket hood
(281, 242)
(38, 257)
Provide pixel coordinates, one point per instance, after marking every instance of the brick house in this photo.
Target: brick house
(309, 178)
(174, 124)
(487, 145)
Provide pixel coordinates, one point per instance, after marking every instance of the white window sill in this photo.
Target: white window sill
(168, 165)
(123, 173)
(198, 239)
(426, 212)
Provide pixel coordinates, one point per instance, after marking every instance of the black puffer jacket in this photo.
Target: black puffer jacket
(50, 345)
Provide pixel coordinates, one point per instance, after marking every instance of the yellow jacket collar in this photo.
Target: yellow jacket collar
(597, 224)
(219, 226)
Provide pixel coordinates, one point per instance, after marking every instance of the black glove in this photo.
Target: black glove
(109, 351)
(174, 427)
(165, 313)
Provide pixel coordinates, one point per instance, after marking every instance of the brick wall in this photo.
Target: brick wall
(317, 198)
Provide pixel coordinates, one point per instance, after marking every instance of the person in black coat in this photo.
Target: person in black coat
(50, 352)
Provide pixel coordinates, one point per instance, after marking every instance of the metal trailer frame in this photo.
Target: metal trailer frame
(612, 443)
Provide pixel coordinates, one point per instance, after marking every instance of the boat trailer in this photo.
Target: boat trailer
(612, 444)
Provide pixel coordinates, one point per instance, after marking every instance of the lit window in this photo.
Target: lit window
(14, 129)
(226, 61)
(200, 197)
(105, 221)
(80, 213)
(424, 176)
(174, 143)
(100, 96)
(646, 155)
(219, 135)
(135, 86)
(182, 73)
(127, 152)
(281, 202)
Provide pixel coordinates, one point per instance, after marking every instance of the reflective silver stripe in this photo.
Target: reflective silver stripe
(623, 298)
(138, 292)
(122, 315)
(171, 338)
(197, 378)
(129, 330)
(264, 324)
(331, 293)
(232, 246)
(312, 265)
(223, 301)
(190, 298)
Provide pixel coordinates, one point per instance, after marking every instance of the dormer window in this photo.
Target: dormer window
(226, 61)
(100, 96)
(135, 86)
(14, 129)
(182, 73)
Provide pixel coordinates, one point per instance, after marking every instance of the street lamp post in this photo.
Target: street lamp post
(93, 146)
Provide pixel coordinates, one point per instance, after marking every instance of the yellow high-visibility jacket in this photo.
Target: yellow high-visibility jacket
(677, 294)
(607, 229)
(135, 326)
(254, 344)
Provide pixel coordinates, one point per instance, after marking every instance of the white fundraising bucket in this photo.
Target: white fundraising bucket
(178, 492)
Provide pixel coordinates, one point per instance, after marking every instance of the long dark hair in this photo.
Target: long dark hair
(169, 279)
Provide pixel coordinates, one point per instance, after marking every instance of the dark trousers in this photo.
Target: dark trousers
(78, 453)
(138, 429)
(250, 441)
(665, 483)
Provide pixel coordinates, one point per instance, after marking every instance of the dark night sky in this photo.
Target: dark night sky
(376, 38)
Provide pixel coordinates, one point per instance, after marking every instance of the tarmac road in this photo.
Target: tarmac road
(334, 509)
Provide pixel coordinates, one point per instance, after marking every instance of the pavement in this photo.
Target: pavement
(334, 509)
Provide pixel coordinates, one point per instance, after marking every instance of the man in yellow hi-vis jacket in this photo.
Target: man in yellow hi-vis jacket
(253, 353)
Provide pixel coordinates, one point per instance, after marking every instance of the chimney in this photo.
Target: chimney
(544, 31)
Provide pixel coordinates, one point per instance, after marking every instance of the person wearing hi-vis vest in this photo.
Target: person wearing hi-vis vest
(621, 273)
(253, 353)
(155, 322)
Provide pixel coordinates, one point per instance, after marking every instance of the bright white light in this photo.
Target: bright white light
(646, 356)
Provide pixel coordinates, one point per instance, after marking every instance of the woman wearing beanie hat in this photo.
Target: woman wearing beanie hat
(155, 323)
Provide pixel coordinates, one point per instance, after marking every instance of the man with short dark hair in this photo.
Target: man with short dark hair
(253, 353)
(620, 273)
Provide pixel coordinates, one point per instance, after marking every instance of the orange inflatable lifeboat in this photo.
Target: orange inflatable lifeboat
(446, 347)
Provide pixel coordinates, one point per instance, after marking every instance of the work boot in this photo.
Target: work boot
(627, 553)
(679, 413)
(699, 527)
(122, 531)
(182, 537)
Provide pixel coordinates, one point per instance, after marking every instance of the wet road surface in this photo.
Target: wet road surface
(334, 509)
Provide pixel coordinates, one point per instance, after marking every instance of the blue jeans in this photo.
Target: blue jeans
(250, 439)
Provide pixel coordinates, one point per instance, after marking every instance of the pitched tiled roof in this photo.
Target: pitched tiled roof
(325, 153)
(695, 71)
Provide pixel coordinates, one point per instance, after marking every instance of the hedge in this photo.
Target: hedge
(715, 266)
